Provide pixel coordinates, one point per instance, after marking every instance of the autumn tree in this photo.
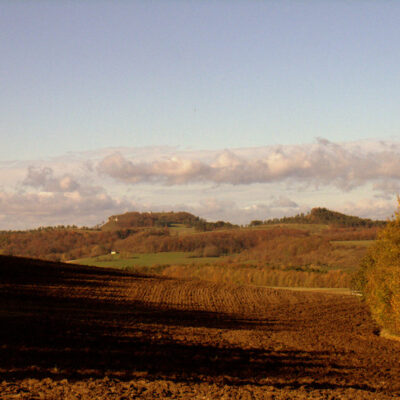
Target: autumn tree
(379, 276)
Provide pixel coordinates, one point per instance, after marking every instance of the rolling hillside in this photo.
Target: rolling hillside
(324, 252)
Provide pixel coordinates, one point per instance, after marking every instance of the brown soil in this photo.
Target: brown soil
(73, 332)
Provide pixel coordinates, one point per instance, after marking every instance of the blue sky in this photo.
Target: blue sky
(85, 75)
(92, 76)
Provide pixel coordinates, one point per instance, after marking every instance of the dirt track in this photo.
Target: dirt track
(81, 333)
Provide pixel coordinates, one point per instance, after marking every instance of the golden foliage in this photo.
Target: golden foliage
(379, 277)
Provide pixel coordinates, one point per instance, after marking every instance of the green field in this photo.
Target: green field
(144, 260)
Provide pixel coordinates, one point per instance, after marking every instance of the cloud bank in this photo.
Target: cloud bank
(321, 164)
(236, 185)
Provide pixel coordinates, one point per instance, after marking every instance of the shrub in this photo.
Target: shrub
(379, 277)
(96, 251)
(211, 251)
(198, 252)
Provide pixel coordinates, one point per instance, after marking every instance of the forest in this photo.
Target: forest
(320, 215)
(325, 251)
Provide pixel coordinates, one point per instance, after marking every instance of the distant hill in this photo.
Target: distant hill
(153, 232)
(320, 215)
(136, 219)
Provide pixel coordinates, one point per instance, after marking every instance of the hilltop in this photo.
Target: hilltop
(135, 219)
(169, 219)
(320, 215)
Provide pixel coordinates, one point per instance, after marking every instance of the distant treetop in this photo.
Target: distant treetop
(135, 219)
(320, 215)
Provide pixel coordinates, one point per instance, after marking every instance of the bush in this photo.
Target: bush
(198, 252)
(96, 251)
(379, 277)
(211, 251)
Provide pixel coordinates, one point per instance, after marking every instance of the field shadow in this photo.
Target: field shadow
(55, 335)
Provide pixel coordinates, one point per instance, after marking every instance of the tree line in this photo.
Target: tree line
(320, 215)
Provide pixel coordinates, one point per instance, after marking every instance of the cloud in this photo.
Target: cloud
(173, 170)
(46, 198)
(236, 185)
(43, 178)
(344, 166)
(386, 188)
(369, 208)
(23, 210)
(283, 202)
(214, 209)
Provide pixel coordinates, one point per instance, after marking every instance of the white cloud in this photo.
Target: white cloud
(174, 170)
(45, 198)
(344, 166)
(237, 185)
(25, 210)
(283, 202)
(43, 178)
(369, 208)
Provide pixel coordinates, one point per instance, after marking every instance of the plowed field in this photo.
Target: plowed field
(73, 332)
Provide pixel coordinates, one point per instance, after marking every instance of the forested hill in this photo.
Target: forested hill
(320, 215)
(160, 219)
(133, 233)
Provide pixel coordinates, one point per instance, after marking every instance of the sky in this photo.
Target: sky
(233, 110)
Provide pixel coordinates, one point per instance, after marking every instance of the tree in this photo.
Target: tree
(256, 222)
(379, 276)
